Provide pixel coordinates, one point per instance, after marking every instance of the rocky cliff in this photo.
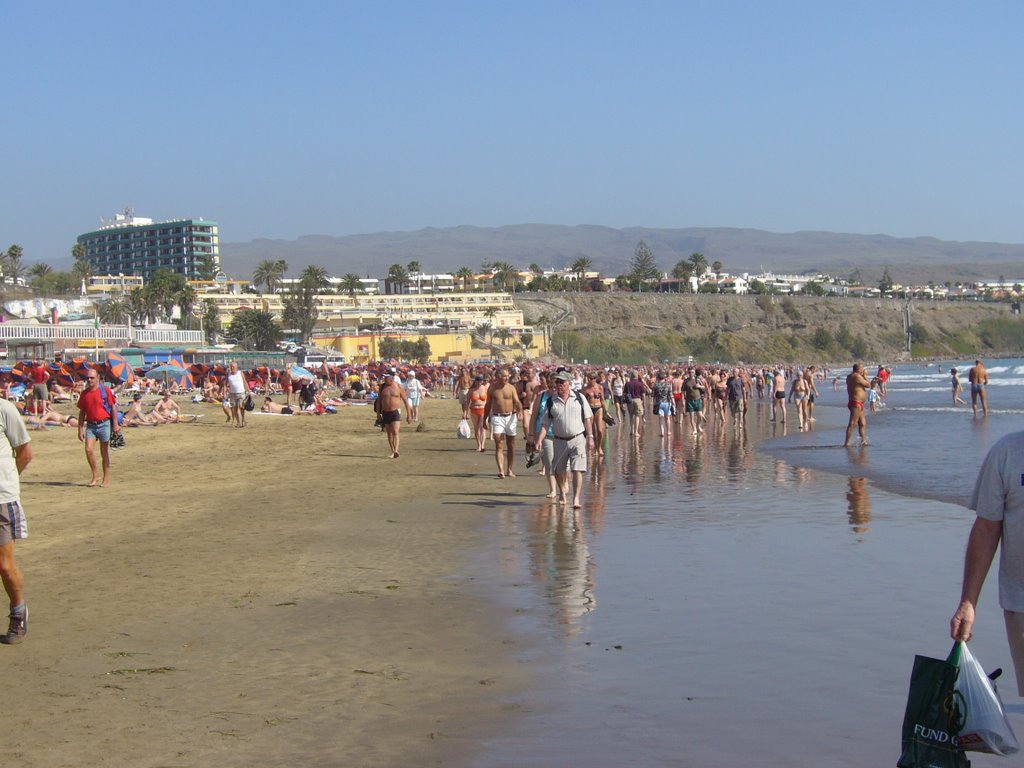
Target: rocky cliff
(625, 327)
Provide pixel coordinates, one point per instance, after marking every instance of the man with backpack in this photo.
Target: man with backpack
(97, 419)
(569, 420)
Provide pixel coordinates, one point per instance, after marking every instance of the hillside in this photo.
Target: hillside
(621, 327)
(917, 259)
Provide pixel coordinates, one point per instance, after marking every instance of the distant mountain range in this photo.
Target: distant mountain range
(917, 259)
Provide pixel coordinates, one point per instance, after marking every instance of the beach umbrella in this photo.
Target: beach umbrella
(65, 376)
(81, 367)
(120, 368)
(298, 372)
(182, 376)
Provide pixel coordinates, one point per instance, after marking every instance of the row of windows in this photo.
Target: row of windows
(141, 234)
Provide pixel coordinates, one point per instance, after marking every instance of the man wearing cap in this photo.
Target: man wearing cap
(388, 406)
(502, 412)
(569, 419)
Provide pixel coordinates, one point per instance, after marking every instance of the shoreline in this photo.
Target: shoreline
(283, 591)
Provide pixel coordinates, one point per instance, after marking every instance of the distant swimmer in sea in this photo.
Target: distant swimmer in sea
(958, 388)
(857, 386)
(978, 377)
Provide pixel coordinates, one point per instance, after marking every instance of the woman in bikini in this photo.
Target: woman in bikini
(476, 403)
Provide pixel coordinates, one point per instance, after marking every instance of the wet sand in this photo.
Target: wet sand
(283, 594)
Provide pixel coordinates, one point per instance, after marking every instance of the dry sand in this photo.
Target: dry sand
(283, 594)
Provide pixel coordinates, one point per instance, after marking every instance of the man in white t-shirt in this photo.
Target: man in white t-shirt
(13, 460)
(238, 388)
(998, 500)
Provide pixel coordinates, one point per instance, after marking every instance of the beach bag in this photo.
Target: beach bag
(985, 728)
(463, 430)
(117, 441)
(248, 403)
(607, 419)
(934, 715)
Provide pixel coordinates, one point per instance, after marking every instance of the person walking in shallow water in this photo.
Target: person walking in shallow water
(857, 386)
(958, 388)
(978, 377)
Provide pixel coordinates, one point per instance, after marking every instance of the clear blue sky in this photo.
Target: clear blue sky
(283, 119)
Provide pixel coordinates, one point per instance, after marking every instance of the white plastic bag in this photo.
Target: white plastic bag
(463, 430)
(986, 728)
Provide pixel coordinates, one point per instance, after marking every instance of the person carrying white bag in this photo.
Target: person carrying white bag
(985, 727)
(998, 500)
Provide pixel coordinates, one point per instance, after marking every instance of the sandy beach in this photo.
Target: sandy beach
(283, 594)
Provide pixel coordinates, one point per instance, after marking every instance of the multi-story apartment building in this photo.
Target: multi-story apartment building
(132, 245)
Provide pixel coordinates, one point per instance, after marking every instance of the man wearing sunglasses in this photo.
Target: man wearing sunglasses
(97, 418)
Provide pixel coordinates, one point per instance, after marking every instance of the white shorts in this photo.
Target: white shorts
(504, 425)
(570, 455)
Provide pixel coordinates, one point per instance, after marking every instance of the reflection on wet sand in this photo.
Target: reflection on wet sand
(860, 506)
(561, 565)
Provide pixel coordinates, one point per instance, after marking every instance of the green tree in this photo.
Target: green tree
(186, 298)
(209, 319)
(580, 267)
(683, 270)
(505, 275)
(268, 273)
(398, 277)
(351, 284)
(56, 284)
(643, 268)
(464, 274)
(114, 312)
(317, 277)
(255, 329)
(717, 267)
(206, 266)
(814, 288)
(700, 264)
(38, 270)
(13, 269)
(886, 284)
(526, 339)
(822, 340)
(416, 272)
(300, 305)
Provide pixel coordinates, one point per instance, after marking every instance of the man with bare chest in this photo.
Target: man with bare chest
(502, 412)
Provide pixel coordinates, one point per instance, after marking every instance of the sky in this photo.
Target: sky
(279, 120)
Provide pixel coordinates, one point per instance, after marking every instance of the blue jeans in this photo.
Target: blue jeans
(98, 430)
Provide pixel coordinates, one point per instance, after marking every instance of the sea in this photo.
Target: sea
(754, 596)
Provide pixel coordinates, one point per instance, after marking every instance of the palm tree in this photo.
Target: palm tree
(255, 329)
(13, 268)
(505, 274)
(717, 267)
(316, 277)
(416, 271)
(186, 298)
(351, 283)
(398, 276)
(700, 264)
(535, 269)
(579, 268)
(683, 270)
(40, 269)
(464, 274)
(268, 273)
(115, 312)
